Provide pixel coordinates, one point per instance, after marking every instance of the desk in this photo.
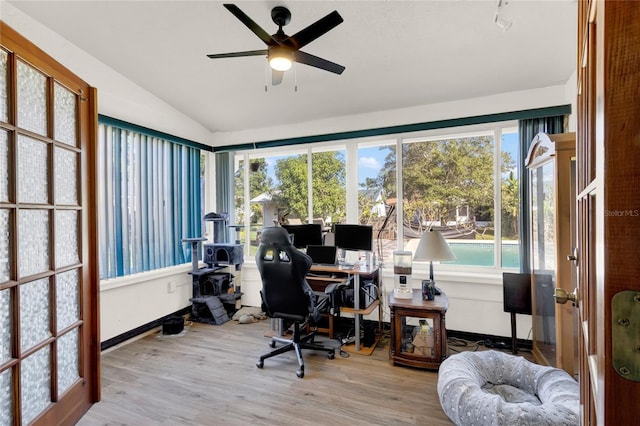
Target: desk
(356, 272)
(407, 319)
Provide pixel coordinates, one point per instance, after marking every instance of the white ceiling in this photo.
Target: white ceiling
(396, 53)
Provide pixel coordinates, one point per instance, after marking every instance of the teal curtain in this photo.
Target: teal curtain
(224, 188)
(527, 129)
(149, 200)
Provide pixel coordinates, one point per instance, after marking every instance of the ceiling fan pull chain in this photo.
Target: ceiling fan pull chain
(266, 75)
(295, 77)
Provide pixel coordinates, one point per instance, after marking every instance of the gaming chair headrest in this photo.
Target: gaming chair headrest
(275, 236)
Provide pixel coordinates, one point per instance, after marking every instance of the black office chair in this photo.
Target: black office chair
(286, 294)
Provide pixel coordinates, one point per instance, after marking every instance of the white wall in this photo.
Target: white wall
(129, 302)
(117, 96)
(475, 299)
(505, 102)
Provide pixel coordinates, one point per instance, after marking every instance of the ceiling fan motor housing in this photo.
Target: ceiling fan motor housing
(281, 16)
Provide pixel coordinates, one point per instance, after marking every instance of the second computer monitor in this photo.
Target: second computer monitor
(354, 237)
(305, 234)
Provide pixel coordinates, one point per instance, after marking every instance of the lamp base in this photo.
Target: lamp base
(403, 293)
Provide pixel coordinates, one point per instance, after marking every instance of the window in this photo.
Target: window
(149, 199)
(328, 183)
(377, 194)
(279, 189)
(453, 180)
(510, 199)
(448, 185)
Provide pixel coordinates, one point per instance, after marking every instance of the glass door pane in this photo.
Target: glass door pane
(4, 165)
(543, 259)
(6, 326)
(64, 115)
(32, 99)
(35, 381)
(6, 402)
(33, 170)
(3, 86)
(34, 313)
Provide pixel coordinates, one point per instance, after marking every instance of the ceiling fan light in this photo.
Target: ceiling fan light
(280, 64)
(280, 59)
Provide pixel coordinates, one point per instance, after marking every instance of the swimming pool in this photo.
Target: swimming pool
(475, 253)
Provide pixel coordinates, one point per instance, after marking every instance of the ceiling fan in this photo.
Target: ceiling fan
(282, 49)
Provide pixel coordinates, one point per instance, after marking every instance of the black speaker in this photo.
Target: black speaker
(517, 293)
(369, 335)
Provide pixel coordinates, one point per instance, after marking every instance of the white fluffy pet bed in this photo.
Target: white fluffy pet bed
(494, 388)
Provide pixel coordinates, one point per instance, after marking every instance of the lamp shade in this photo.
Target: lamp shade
(433, 246)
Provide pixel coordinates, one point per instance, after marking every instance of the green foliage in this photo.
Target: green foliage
(439, 176)
(328, 183)
(510, 197)
(329, 178)
(259, 183)
(292, 195)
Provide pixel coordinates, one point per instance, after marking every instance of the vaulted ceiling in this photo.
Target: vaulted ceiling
(396, 53)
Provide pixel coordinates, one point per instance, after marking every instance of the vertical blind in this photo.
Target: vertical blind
(149, 200)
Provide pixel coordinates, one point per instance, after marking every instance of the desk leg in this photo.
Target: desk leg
(356, 305)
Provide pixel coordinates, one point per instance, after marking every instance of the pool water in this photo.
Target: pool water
(482, 254)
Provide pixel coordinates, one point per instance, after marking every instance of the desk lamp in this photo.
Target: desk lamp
(433, 246)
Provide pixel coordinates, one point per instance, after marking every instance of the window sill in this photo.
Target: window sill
(141, 277)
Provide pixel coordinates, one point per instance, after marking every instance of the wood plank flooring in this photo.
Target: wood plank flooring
(208, 376)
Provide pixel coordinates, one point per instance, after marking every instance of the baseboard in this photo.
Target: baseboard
(500, 342)
(343, 326)
(132, 334)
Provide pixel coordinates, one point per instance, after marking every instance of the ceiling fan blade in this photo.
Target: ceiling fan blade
(238, 54)
(276, 77)
(315, 30)
(314, 61)
(255, 28)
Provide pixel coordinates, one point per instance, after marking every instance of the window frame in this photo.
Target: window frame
(351, 147)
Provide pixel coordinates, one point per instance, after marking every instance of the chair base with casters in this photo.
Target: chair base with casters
(296, 343)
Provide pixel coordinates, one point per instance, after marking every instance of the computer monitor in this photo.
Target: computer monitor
(305, 234)
(323, 255)
(354, 237)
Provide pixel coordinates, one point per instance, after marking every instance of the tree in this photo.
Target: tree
(510, 207)
(439, 176)
(329, 178)
(328, 183)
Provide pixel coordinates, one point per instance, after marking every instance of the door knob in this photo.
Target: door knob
(561, 296)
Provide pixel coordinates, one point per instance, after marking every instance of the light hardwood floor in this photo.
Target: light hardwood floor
(208, 376)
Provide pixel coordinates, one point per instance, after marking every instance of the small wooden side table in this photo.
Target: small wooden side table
(418, 333)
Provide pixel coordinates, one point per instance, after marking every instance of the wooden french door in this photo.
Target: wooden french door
(608, 210)
(49, 342)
